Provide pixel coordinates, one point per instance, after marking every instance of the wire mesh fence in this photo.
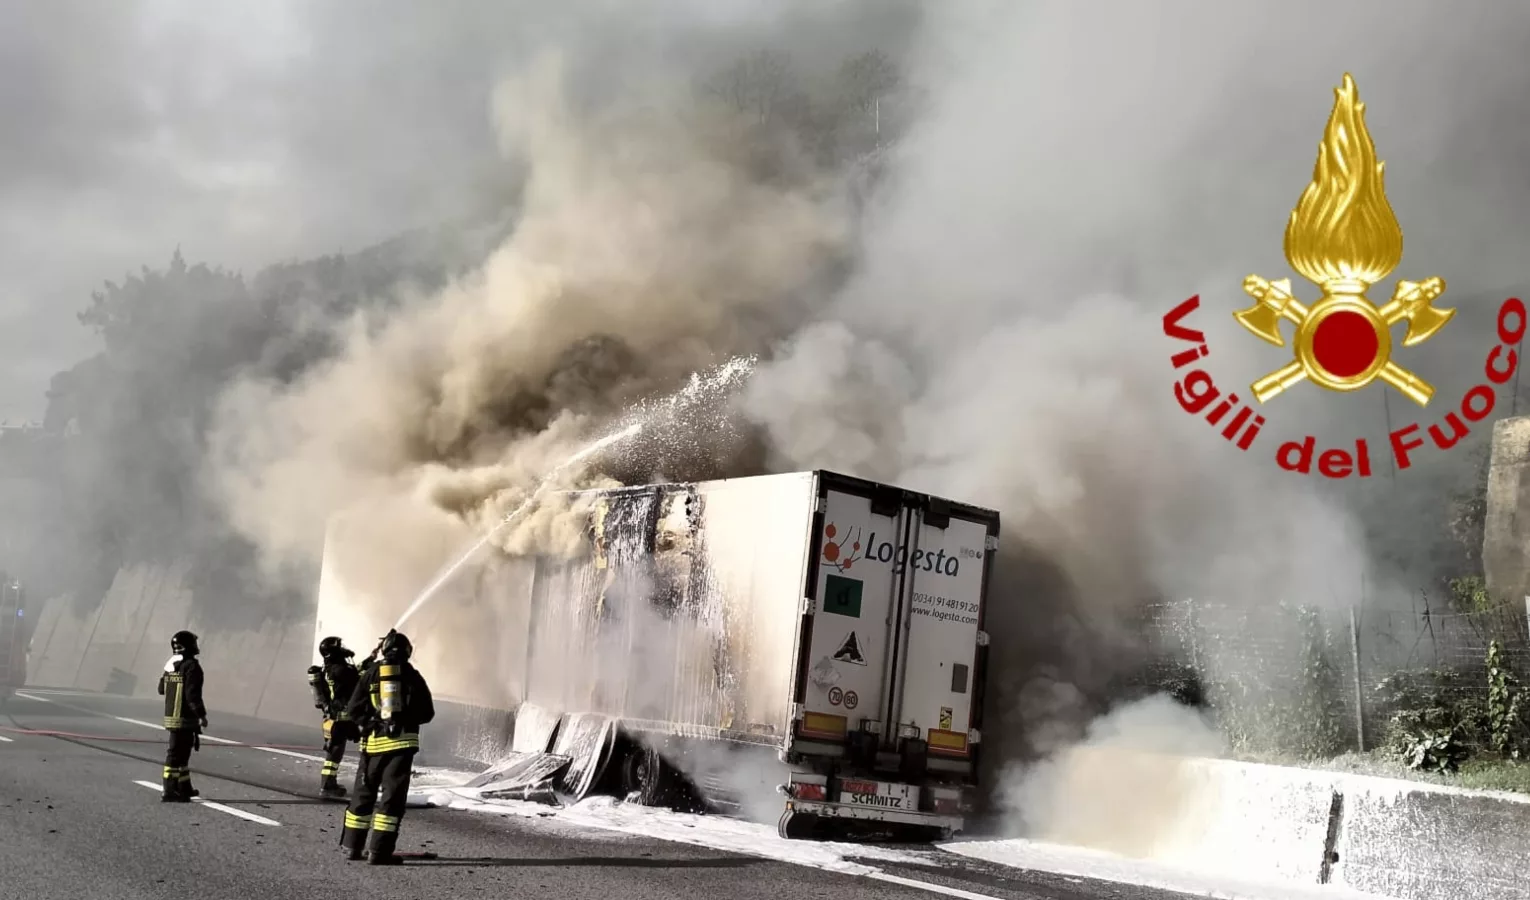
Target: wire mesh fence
(1324, 680)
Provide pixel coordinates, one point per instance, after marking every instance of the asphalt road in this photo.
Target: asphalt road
(76, 821)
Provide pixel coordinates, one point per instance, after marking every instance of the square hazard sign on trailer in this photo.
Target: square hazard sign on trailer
(879, 794)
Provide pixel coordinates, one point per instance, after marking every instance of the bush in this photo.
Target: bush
(1438, 751)
(1299, 714)
(1505, 722)
(1430, 724)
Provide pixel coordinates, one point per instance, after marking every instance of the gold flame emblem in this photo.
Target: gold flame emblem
(1344, 237)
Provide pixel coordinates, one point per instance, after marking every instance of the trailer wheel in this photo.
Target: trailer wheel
(645, 775)
(796, 826)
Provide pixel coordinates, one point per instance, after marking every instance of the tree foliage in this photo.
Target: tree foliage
(132, 421)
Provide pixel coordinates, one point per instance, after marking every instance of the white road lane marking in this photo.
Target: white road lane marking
(929, 886)
(277, 750)
(262, 820)
(55, 692)
(158, 727)
(5, 740)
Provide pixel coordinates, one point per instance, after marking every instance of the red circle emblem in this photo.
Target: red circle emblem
(1345, 344)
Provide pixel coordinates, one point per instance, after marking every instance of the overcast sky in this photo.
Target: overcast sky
(243, 132)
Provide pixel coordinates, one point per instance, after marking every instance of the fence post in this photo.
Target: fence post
(1354, 652)
(1192, 632)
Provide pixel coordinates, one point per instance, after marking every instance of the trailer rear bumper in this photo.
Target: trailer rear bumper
(829, 810)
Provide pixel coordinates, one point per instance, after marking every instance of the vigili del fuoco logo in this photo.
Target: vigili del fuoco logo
(1343, 237)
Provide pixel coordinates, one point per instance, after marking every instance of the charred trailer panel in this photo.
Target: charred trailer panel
(681, 620)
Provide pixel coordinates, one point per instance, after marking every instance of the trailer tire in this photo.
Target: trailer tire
(796, 826)
(646, 776)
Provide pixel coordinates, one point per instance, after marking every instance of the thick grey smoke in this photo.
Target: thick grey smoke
(998, 339)
(661, 229)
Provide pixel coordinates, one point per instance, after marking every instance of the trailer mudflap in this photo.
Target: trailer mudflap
(588, 740)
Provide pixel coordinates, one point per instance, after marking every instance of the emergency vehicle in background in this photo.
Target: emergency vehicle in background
(13, 636)
(806, 646)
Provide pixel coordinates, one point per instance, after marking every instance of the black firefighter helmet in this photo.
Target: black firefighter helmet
(396, 647)
(184, 643)
(332, 648)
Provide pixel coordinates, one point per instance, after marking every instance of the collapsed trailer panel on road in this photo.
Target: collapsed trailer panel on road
(808, 631)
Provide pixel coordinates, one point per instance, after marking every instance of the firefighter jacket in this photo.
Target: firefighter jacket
(341, 677)
(418, 708)
(181, 685)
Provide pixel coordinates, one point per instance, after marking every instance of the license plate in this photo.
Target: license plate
(879, 794)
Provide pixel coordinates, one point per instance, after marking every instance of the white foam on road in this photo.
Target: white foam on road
(748, 838)
(1081, 862)
(715, 832)
(712, 832)
(261, 820)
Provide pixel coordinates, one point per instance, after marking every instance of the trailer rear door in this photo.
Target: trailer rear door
(943, 617)
(854, 602)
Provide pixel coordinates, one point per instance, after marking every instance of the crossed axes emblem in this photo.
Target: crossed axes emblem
(1410, 301)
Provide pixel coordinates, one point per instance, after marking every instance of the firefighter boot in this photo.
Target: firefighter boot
(380, 849)
(331, 789)
(173, 792)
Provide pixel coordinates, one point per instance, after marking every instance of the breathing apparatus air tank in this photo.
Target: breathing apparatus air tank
(390, 682)
(319, 686)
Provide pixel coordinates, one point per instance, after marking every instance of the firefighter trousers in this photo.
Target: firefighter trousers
(177, 774)
(377, 805)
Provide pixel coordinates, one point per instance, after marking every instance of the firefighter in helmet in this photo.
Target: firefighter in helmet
(361, 732)
(185, 715)
(333, 683)
(390, 704)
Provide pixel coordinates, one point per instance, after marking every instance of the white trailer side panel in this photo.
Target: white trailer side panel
(684, 616)
(755, 539)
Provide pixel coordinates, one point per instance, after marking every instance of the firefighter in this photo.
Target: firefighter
(185, 715)
(390, 704)
(363, 731)
(333, 684)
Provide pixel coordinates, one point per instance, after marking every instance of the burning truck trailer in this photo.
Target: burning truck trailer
(808, 640)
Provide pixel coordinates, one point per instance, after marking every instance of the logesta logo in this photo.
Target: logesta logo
(844, 553)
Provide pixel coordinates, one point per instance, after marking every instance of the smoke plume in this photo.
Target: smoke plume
(644, 251)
